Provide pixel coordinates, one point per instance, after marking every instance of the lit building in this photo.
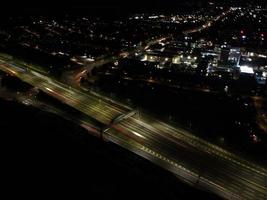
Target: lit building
(176, 60)
(246, 69)
(234, 56)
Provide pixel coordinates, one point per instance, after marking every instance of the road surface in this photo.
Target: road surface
(192, 159)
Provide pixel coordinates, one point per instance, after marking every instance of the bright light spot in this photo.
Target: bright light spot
(246, 69)
(90, 59)
(144, 58)
(50, 90)
(251, 54)
(226, 88)
(137, 134)
(13, 72)
(153, 17)
(161, 43)
(262, 56)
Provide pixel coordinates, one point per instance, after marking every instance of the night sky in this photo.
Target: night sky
(104, 7)
(14, 6)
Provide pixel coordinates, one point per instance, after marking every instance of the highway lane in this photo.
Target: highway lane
(180, 171)
(235, 178)
(103, 112)
(164, 135)
(72, 90)
(200, 143)
(30, 100)
(175, 149)
(182, 134)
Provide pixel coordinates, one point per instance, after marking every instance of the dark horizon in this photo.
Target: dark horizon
(115, 7)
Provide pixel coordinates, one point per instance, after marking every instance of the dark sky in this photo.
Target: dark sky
(107, 3)
(124, 3)
(89, 3)
(115, 6)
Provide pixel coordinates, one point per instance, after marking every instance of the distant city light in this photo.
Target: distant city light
(246, 69)
(90, 59)
(153, 17)
(251, 54)
(262, 56)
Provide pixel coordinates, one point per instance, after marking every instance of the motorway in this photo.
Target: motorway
(209, 162)
(29, 99)
(192, 159)
(88, 104)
